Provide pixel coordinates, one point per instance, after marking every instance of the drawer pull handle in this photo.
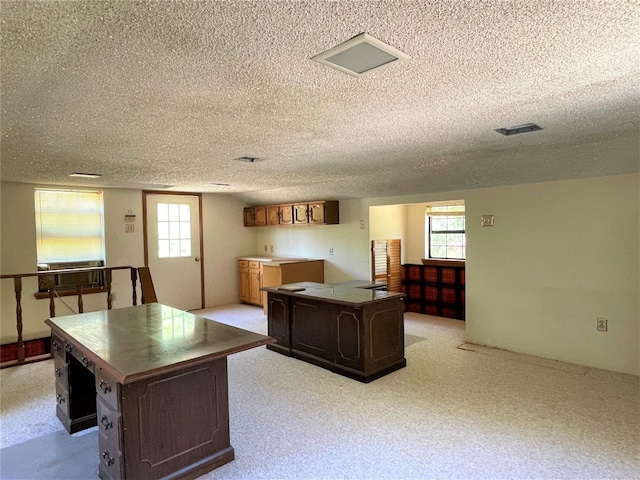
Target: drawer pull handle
(68, 347)
(104, 386)
(106, 423)
(56, 345)
(85, 361)
(58, 372)
(60, 399)
(107, 458)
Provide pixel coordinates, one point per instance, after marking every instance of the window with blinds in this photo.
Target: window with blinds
(446, 231)
(69, 226)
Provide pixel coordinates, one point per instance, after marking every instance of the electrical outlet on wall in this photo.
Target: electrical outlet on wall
(271, 248)
(602, 324)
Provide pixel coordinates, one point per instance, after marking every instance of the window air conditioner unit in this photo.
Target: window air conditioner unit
(67, 281)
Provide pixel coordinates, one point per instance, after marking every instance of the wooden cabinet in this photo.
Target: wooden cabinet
(307, 213)
(250, 281)
(279, 215)
(255, 283)
(260, 215)
(316, 213)
(290, 272)
(255, 216)
(249, 217)
(253, 275)
(273, 215)
(243, 280)
(286, 214)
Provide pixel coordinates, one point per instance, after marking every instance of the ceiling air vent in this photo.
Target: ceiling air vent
(527, 127)
(360, 55)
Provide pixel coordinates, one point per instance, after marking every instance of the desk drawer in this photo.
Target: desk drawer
(62, 400)
(61, 370)
(107, 389)
(57, 346)
(110, 463)
(109, 425)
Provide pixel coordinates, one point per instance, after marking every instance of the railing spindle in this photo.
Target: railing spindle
(134, 281)
(17, 285)
(79, 276)
(51, 284)
(107, 280)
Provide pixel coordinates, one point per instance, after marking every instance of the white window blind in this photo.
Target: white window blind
(445, 210)
(69, 226)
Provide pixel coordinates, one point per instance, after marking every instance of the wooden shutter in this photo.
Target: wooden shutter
(386, 263)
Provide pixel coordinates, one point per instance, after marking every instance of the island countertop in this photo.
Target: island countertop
(356, 293)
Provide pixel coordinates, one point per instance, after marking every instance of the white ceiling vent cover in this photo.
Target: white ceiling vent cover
(360, 55)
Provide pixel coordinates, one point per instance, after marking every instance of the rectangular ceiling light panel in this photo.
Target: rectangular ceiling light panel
(360, 55)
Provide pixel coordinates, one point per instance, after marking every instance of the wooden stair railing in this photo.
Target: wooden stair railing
(146, 286)
(50, 279)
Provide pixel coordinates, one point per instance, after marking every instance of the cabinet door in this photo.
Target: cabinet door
(316, 212)
(273, 215)
(249, 217)
(286, 214)
(255, 295)
(243, 284)
(300, 213)
(260, 215)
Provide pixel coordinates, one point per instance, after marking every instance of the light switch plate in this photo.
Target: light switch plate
(487, 220)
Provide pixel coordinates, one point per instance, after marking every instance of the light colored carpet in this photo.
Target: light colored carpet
(451, 413)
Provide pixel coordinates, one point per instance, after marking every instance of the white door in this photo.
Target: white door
(173, 249)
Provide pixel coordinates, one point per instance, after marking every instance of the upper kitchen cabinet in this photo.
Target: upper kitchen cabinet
(316, 213)
(249, 217)
(325, 212)
(260, 215)
(279, 215)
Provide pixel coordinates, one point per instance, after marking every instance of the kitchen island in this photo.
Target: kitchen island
(353, 329)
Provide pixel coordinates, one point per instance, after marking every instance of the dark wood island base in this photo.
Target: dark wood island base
(349, 329)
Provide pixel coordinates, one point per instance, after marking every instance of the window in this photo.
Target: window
(69, 234)
(174, 230)
(446, 231)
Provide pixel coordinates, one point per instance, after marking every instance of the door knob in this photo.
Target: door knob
(197, 259)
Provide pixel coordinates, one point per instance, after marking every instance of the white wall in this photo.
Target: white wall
(389, 222)
(224, 238)
(560, 255)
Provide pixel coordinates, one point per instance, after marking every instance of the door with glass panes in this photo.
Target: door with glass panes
(173, 251)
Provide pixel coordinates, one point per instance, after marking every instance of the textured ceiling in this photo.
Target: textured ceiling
(156, 94)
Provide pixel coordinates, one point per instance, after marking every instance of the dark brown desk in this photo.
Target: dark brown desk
(155, 381)
(352, 328)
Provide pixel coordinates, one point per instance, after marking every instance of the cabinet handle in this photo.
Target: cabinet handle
(107, 457)
(106, 423)
(56, 345)
(68, 347)
(85, 361)
(58, 372)
(60, 399)
(104, 386)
